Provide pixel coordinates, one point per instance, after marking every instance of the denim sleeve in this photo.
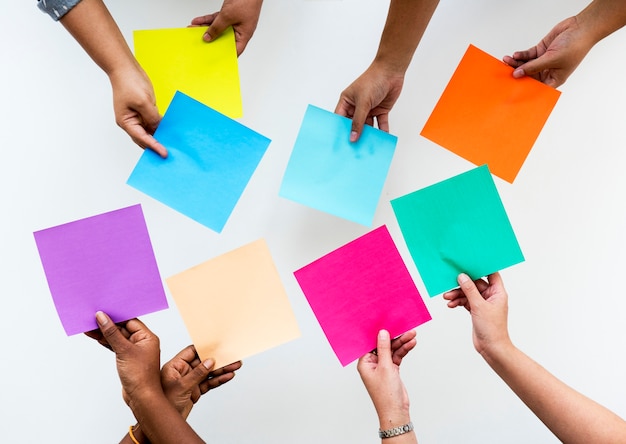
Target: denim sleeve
(56, 8)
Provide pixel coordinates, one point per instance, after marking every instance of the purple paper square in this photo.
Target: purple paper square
(103, 262)
(359, 289)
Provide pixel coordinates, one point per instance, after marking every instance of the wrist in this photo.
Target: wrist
(391, 419)
(144, 398)
(397, 431)
(392, 66)
(124, 69)
(595, 23)
(495, 351)
(137, 434)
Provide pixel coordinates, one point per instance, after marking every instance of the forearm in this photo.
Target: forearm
(602, 17)
(93, 27)
(572, 417)
(160, 421)
(406, 22)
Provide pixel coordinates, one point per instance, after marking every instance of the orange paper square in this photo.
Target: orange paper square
(488, 117)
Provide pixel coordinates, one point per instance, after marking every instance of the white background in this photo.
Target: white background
(63, 158)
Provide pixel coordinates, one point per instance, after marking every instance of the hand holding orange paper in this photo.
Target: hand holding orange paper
(234, 305)
(488, 117)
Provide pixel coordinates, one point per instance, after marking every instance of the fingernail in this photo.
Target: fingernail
(101, 318)
(383, 334)
(353, 136)
(208, 363)
(206, 37)
(519, 72)
(463, 278)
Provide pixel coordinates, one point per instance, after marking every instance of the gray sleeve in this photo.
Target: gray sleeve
(56, 8)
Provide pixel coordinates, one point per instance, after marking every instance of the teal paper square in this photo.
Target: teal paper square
(457, 225)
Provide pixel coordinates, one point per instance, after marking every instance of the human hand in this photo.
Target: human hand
(137, 356)
(99, 337)
(487, 302)
(370, 97)
(135, 107)
(380, 372)
(184, 380)
(555, 57)
(242, 15)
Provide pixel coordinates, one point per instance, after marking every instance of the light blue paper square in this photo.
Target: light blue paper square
(210, 160)
(329, 173)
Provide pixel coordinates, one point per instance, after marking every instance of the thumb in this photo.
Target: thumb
(383, 347)
(532, 67)
(215, 30)
(470, 290)
(358, 120)
(111, 333)
(201, 372)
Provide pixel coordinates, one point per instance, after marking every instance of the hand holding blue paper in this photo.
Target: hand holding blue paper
(211, 159)
(450, 227)
(329, 173)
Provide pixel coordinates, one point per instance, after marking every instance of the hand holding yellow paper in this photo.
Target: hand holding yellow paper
(234, 305)
(177, 59)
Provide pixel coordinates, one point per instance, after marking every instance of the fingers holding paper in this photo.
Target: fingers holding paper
(242, 15)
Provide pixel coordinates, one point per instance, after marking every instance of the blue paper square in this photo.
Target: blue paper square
(329, 173)
(210, 160)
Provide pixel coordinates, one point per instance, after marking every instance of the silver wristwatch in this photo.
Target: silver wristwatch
(400, 430)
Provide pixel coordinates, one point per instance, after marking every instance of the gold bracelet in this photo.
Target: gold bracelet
(130, 433)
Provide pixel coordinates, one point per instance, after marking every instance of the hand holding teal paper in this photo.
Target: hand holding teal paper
(329, 173)
(571, 416)
(457, 225)
(211, 159)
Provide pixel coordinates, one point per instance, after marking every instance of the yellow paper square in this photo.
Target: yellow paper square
(234, 305)
(177, 59)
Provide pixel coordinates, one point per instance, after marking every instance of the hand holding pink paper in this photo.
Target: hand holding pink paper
(359, 289)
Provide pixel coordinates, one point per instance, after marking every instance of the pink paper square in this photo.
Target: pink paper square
(359, 289)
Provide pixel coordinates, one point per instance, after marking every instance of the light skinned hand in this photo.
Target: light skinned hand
(487, 302)
(242, 15)
(380, 372)
(184, 380)
(369, 99)
(556, 56)
(134, 105)
(136, 357)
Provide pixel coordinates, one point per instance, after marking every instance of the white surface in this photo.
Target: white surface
(64, 158)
